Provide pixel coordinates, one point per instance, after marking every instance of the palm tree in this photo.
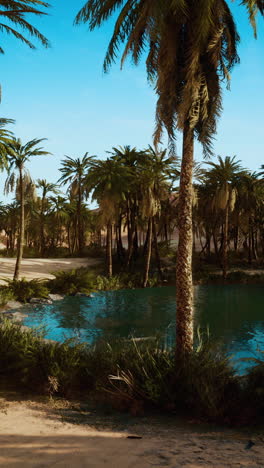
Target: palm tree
(155, 174)
(223, 178)
(58, 219)
(18, 155)
(46, 187)
(5, 136)
(14, 12)
(109, 180)
(129, 157)
(251, 192)
(191, 49)
(74, 172)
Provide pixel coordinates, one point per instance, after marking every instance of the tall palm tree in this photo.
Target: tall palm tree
(223, 178)
(45, 187)
(74, 172)
(191, 49)
(18, 155)
(13, 12)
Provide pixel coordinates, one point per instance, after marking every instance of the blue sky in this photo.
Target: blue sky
(62, 94)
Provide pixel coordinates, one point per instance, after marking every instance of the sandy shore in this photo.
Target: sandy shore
(57, 434)
(42, 267)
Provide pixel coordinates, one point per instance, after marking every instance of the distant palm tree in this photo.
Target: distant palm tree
(224, 178)
(74, 172)
(109, 180)
(14, 12)
(154, 174)
(46, 187)
(18, 155)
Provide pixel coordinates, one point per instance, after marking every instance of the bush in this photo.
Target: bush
(45, 367)
(203, 385)
(23, 290)
(135, 375)
(6, 295)
(72, 281)
(123, 281)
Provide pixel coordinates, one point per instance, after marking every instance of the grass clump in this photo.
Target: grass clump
(123, 281)
(6, 295)
(72, 281)
(41, 366)
(134, 375)
(23, 290)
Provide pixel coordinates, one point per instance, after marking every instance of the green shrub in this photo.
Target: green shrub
(72, 281)
(203, 385)
(42, 366)
(134, 374)
(103, 283)
(123, 281)
(6, 295)
(23, 290)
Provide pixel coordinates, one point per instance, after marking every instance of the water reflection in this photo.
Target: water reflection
(234, 314)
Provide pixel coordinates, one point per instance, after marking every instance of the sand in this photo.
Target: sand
(34, 433)
(32, 268)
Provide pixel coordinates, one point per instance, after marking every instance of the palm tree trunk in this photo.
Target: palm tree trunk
(42, 241)
(156, 247)
(109, 250)
(79, 214)
(20, 245)
(184, 285)
(225, 242)
(147, 265)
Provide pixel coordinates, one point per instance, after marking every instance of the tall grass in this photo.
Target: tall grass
(132, 375)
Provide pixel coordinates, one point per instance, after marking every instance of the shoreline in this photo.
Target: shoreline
(35, 432)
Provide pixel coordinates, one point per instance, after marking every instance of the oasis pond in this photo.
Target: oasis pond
(234, 315)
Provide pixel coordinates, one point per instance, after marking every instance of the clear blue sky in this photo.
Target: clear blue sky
(61, 94)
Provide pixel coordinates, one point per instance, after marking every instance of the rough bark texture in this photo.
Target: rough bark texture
(148, 258)
(156, 247)
(42, 238)
(184, 285)
(79, 214)
(21, 226)
(225, 240)
(109, 250)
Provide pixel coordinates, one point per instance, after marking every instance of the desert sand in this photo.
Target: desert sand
(57, 434)
(32, 268)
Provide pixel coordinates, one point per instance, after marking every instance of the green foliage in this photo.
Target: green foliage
(103, 283)
(133, 375)
(235, 277)
(23, 290)
(6, 295)
(123, 281)
(203, 384)
(72, 281)
(42, 366)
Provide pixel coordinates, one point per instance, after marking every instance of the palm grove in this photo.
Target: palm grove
(137, 194)
(191, 47)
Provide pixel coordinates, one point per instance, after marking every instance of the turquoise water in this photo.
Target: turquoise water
(233, 313)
